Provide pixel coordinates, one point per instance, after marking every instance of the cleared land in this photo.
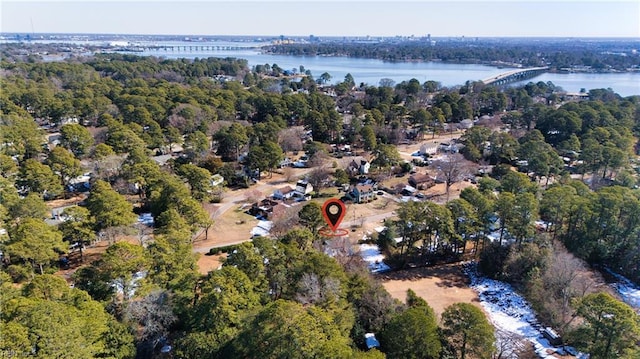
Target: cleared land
(440, 286)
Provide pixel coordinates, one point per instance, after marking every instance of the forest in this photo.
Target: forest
(572, 164)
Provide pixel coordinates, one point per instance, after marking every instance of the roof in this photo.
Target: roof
(420, 178)
(285, 189)
(364, 187)
(371, 341)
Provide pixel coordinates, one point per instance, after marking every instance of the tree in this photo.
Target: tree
(196, 145)
(285, 329)
(230, 140)
(40, 179)
(108, 207)
(51, 320)
(223, 299)
(21, 137)
(386, 156)
(31, 206)
(341, 176)
(153, 317)
(35, 241)
(78, 227)
(324, 78)
(311, 216)
(318, 178)
(120, 262)
(199, 180)
(525, 213)
(465, 221)
(369, 137)
(274, 155)
(468, 331)
(452, 168)
(76, 138)
(412, 334)
(65, 165)
(611, 329)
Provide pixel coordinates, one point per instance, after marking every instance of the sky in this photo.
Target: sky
(469, 18)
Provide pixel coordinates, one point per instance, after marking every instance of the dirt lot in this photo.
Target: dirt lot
(440, 286)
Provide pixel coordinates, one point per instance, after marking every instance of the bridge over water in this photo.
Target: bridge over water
(197, 48)
(515, 75)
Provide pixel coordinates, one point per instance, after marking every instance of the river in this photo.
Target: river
(370, 71)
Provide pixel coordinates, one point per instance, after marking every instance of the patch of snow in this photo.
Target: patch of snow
(628, 291)
(511, 313)
(371, 254)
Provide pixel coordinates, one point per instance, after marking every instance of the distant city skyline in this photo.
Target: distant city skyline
(541, 18)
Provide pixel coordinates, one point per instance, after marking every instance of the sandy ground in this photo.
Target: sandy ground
(440, 286)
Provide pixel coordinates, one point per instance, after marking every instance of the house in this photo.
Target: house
(421, 181)
(361, 168)
(304, 187)
(428, 149)
(283, 193)
(362, 193)
(162, 160)
(466, 124)
(286, 163)
(263, 208)
(302, 191)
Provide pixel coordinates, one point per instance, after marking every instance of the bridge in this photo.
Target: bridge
(515, 75)
(198, 48)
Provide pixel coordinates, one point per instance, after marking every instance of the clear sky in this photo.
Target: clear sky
(471, 18)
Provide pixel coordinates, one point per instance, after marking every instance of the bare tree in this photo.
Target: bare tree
(253, 196)
(313, 290)
(318, 178)
(566, 278)
(318, 159)
(512, 346)
(111, 234)
(288, 174)
(290, 139)
(283, 219)
(153, 315)
(452, 168)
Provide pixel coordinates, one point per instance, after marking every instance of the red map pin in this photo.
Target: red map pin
(333, 211)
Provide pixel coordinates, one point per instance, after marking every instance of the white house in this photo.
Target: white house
(429, 149)
(283, 193)
(304, 187)
(303, 191)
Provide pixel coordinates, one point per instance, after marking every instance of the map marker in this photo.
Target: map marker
(333, 211)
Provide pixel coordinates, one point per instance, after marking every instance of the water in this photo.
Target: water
(370, 71)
